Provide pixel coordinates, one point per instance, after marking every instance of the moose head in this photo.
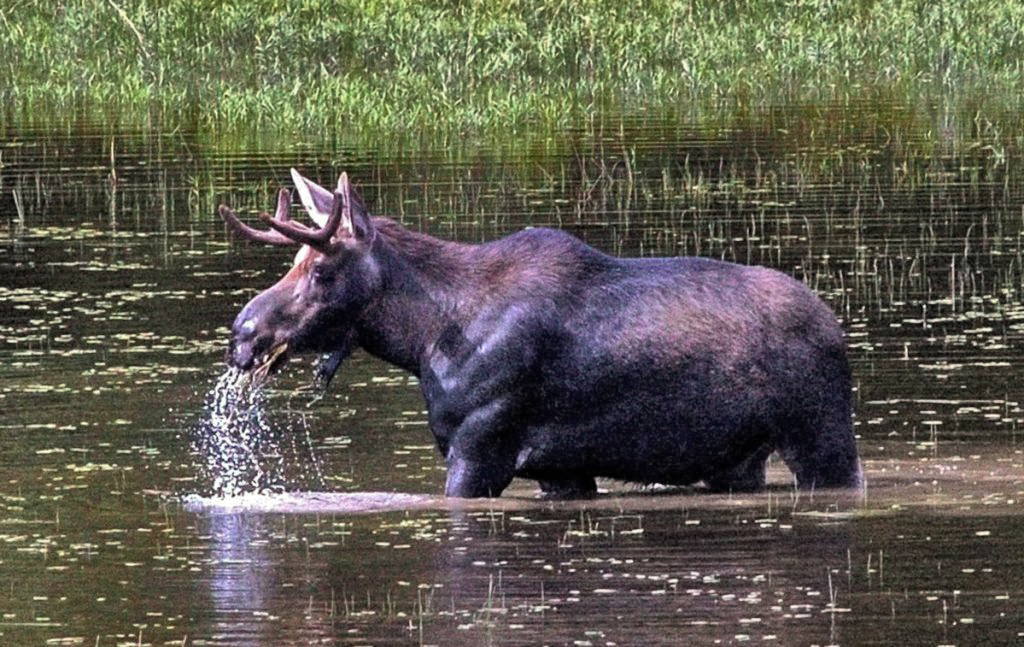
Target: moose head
(313, 307)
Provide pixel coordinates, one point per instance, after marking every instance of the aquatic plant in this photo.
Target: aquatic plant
(394, 67)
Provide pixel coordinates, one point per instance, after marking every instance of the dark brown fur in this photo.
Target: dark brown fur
(541, 357)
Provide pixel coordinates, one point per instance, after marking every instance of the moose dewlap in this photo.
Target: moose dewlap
(541, 357)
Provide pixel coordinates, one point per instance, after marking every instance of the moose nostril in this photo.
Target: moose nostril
(239, 355)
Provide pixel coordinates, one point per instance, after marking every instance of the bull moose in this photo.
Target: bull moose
(543, 358)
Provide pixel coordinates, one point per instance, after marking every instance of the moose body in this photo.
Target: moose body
(541, 357)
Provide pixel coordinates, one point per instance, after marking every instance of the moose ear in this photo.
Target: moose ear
(355, 222)
(316, 199)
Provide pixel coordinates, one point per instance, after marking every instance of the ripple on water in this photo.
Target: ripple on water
(312, 502)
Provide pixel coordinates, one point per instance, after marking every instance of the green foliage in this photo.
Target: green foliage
(390, 66)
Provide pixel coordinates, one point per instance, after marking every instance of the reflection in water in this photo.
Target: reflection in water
(529, 575)
(532, 575)
(260, 578)
(240, 578)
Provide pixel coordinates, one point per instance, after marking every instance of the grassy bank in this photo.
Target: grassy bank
(389, 66)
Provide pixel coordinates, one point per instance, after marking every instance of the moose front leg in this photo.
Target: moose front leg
(479, 382)
(481, 453)
(476, 429)
(473, 479)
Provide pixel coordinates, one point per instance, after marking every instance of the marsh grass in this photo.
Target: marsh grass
(390, 67)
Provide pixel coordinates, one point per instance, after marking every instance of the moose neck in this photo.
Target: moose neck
(429, 287)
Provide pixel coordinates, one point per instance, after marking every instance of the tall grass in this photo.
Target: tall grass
(390, 66)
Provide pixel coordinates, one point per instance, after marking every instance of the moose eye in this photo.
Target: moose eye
(319, 273)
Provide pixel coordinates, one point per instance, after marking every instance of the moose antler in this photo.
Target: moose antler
(318, 239)
(270, 237)
(285, 231)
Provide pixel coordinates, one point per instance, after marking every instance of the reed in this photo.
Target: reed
(389, 66)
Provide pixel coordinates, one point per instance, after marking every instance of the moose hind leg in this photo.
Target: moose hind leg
(816, 438)
(745, 476)
(568, 487)
(826, 459)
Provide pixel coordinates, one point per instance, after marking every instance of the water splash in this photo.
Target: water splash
(240, 448)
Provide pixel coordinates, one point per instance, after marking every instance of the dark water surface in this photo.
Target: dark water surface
(117, 284)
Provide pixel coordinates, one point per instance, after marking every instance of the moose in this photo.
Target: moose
(543, 358)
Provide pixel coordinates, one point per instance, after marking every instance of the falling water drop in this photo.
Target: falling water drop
(240, 452)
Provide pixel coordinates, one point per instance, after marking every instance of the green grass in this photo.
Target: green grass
(391, 67)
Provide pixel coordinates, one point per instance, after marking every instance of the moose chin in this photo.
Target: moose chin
(540, 357)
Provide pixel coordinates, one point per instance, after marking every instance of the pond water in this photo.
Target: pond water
(118, 282)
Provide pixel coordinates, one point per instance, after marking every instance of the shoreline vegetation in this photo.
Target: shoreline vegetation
(388, 68)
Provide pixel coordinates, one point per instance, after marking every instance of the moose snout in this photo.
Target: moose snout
(241, 352)
(239, 355)
(259, 328)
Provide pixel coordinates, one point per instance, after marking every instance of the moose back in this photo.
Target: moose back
(541, 357)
